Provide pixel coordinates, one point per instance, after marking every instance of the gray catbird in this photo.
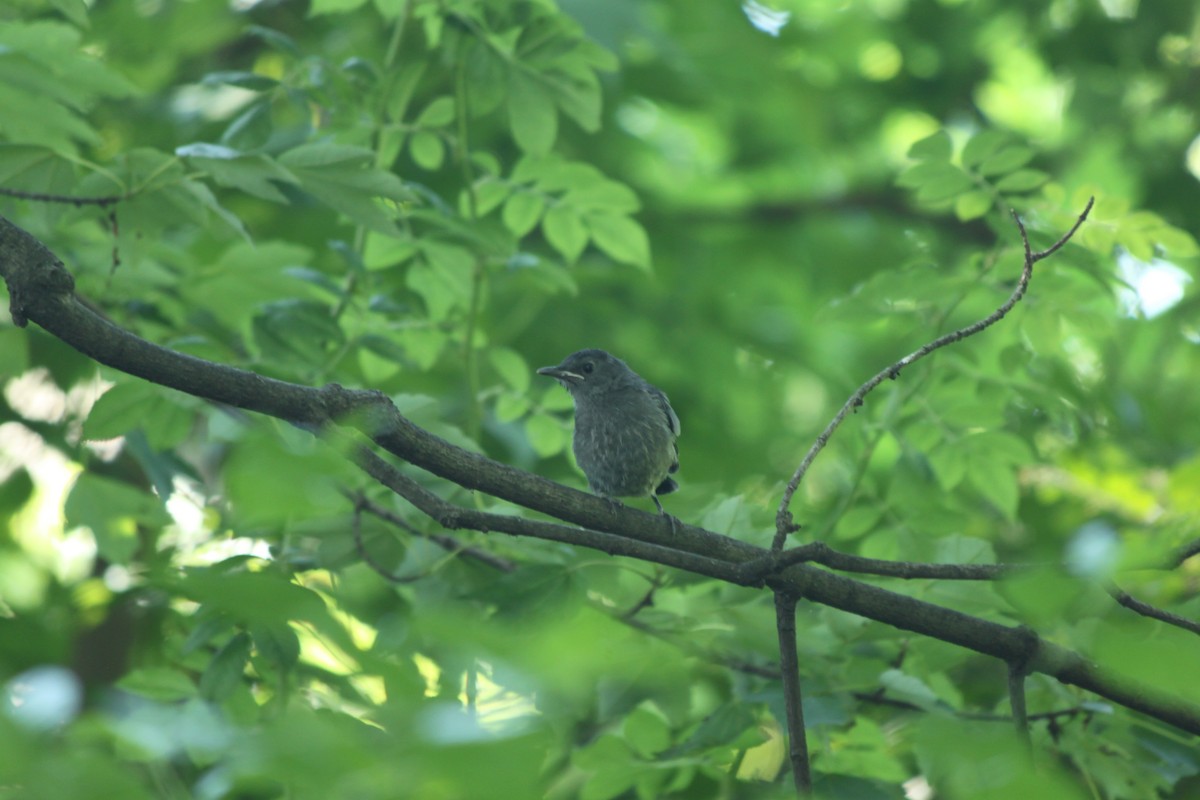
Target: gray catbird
(625, 429)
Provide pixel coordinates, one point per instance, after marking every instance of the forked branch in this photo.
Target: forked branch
(784, 525)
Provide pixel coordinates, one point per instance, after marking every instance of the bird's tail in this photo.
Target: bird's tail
(667, 486)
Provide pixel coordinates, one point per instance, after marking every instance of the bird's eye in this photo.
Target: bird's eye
(588, 367)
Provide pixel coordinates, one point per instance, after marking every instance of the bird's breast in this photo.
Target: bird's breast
(623, 443)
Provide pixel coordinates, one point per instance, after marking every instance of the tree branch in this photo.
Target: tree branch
(41, 290)
(755, 572)
(789, 673)
(1147, 610)
(447, 543)
(784, 525)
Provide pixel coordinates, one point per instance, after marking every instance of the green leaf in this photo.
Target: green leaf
(438, 113)
(565, 231)
(442, 278)
(48, 79)
(621, 238)
(33, 167)
(490, 192)
(522, 211)
(1006, 160)
(251, 598)
(949, 464)
(925, 173)
(972, 205)
(277, 643)
(531, 113)
(610, 767)
(255, 174)
(646, 730)
(423, 346)
(164, 415)
(857, 521)
(114, 511)
(319, 7)
(245, 277)
(74, 10)
(1176, 242)
(964, 550)
(999, 446)
(243, 80)
(997, 481)
(15, 491)
(943, 181)
(511, 407)
(511, 367)
(225, 673)
(547, 435)
(272, 478)
(427, 150)
(593, 192)
(909, 688)
(1023, 180)
(386, 252)
(344, 179)
(982, 145)
(935, 147)
(159, 683)
(296, 333)
(277, 40)
(579, 97)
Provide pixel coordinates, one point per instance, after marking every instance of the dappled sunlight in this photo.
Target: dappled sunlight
(880, 61)
(1022, 92)
(285, 509)
(765, 18)
(1151, 288)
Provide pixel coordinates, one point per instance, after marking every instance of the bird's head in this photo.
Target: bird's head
(591, 372)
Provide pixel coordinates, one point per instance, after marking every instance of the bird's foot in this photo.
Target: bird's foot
(662, 512)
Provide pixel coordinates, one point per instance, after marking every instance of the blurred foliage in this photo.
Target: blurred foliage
(758, 207)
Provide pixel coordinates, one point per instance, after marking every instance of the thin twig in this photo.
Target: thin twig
(1085, 710)
(370, 561)
(1185, 552)
(646, 600)
(1147, 610)
(789, 672)
(1018, 668)
(685, 645)
(447, 543)
(784, 524)
(41, 197)
(1016, 699)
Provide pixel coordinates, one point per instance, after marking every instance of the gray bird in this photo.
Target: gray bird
(625, 429)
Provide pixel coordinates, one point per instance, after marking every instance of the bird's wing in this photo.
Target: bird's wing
(673, 424)
(665, 405)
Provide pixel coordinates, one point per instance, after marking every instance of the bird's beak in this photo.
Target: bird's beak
(560, 374)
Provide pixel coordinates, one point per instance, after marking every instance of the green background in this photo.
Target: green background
(436, 198)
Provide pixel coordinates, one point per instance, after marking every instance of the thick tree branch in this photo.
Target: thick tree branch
(784, 525)
(41, 290)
